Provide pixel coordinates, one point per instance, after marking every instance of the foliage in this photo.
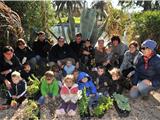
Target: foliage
(147, 25)
(122, 102)
(104, 103)
(83, 104)
(31, 110)
(34, 85)
(146, 4)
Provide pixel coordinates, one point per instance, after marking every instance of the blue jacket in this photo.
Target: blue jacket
(90, 87)
(151, 73)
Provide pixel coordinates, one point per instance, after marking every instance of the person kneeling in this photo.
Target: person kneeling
(49, 88)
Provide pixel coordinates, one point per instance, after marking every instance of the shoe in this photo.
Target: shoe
(60, 112)
(71, 113)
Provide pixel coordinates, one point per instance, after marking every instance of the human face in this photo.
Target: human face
(146, 51)
(8, 55)
(69, 63)
(16, 79)
(78, 39)
(61, 42)
(27, 68)
(41, 37)
(84, 80)
(87, 44)
(75, 74)
(100, 71)
(115, 43)
(101, 44)
(49, 79)
(21, 45)
(132, 49)
(69, 82)
(115, 77)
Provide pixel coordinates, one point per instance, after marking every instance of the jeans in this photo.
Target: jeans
(42, 99)
(67, 106)
(142, 89)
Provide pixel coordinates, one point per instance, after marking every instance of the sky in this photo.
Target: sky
(115, 5)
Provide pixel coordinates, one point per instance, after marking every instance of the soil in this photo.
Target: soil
(142, 109)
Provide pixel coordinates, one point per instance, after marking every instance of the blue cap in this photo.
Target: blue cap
(151, 44)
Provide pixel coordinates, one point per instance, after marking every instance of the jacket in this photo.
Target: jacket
(52, 88)
(26, 52)
(19, 89)
(89, 85)
(58, 53)
(69, 94)
(4, 65)
(130, 60)
(152, 73)
(41, 48)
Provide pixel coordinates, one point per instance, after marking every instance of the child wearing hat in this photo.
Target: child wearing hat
(49, 87)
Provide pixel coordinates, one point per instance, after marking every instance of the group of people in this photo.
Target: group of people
(103, 69)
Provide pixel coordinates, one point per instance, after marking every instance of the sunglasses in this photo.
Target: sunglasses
(143, 48)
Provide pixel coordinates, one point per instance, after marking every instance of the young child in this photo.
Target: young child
(69, 67)
(101, 80)
(49, 88)
(87, 54)
(18, 89)
(85, 81)
(26, 72)
(69, 95)
(117, 83)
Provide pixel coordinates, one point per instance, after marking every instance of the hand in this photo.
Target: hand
(24, 60)
(59, 63)
(8, 84)
(77, 65)
(6, 72)
(148, 82)
(86, 52)
(14, 97)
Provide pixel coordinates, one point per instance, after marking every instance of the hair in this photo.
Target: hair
(55, 68)
(25, 64)
(99, 40)
(49, 73)
(60, 37)
(7, 48)
(78, 34)
(40, 33)
(134, 43)
(69, 77)
(21, 41)
(115, 71)
(115, 37)
(101, 67)
(16, 74)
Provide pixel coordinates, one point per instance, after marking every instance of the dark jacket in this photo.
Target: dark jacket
(26, 75)
(26, 52)
(58, 53)
(41, 48)
(152, 73)
(15, 65)
(77, 48)
(19, 89)
(86, 59)
(89, 85)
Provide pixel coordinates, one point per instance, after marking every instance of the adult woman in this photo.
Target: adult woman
(147, 76)
(100, 53)
(25, 53)
(8, 63)
(130, 59)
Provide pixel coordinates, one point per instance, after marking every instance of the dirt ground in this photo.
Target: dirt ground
(141, 110)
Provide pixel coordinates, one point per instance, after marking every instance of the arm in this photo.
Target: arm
(23, 89)
(93, 88)
(125, 62)
(55, 88)
(43, 88)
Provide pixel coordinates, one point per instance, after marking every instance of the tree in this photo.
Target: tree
(146, 4)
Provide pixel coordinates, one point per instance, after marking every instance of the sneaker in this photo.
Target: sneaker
(60, 112)
(71, 113)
